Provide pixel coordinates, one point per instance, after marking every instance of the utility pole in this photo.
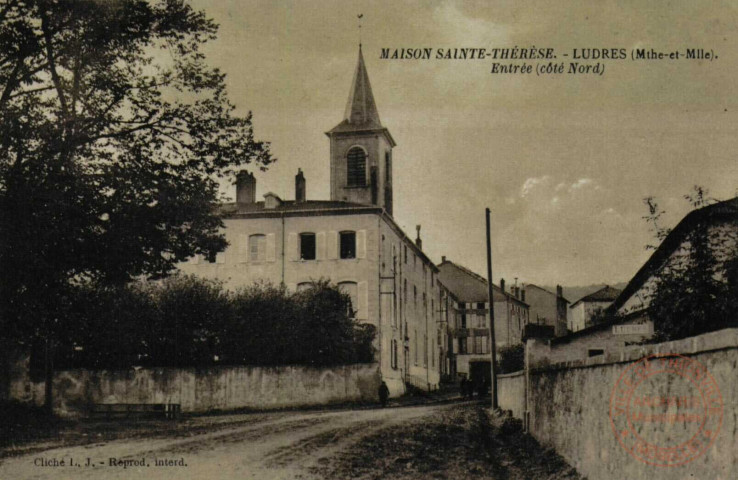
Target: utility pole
(490, 293)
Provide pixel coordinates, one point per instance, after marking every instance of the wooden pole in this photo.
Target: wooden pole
(490, 292)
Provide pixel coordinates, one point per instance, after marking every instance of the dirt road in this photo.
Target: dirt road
(367, 443)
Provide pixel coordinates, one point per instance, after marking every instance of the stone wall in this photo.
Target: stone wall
(570, 410)
(206, 389)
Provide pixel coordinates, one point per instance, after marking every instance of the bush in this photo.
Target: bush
(186, 321)
(512, 358)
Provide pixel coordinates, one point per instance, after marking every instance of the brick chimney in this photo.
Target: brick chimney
(300, 186)
(559, 291)
(443, 259)
(418, 241)
(502, 285)
(245, 187)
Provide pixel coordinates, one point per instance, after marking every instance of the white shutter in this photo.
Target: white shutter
(361, 244)
(271, 248)
(320, 246)
(243, 248)
(332, 245)
(363, 313)
(292, 253)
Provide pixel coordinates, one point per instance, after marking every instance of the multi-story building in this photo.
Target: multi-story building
(351, 239)
(583, 310)
(547, 308)
(469, 320)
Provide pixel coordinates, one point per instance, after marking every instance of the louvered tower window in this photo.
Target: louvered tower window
(356, 163)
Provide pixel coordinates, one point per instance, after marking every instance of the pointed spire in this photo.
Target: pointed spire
(361, 110)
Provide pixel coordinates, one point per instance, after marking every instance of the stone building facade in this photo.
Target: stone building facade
(469, 319)
(351, 239)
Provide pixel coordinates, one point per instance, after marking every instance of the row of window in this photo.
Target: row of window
(473, 345)
(257, 247)
(472, 320)
(346, 245)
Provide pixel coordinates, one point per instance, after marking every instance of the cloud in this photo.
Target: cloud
(531, 183)
(581, 183)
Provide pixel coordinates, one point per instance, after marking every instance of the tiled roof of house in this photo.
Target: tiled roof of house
(605, 294)
(467, 286)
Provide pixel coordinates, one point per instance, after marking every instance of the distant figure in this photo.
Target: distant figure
(383, 394)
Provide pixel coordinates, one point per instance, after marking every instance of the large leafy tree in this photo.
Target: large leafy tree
(113, 134)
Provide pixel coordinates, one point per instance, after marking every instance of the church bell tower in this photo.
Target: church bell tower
(361, 149)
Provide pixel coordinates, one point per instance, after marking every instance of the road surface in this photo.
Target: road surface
(276, 446)
(429, 441)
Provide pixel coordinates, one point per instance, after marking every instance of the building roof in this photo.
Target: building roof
(468, 287)
(361, 113)
(231, 210)
(604, 294)
(726, 210)
(311, 208)
(531, 285)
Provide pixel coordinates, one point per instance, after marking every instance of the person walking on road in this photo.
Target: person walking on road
(383, 394)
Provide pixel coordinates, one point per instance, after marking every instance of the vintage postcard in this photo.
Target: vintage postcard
(246, 239)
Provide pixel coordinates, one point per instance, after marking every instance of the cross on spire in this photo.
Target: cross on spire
(360, 16)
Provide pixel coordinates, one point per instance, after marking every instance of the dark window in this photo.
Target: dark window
(480, 306)
(211, 256)
(405, 253)
(593, 352)
(463, 320)
(356, 167)
(307, 246)
(462, 345)
(348, 244)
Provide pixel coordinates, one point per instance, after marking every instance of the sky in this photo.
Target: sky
(563, 162)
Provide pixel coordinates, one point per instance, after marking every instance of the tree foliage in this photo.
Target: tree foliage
(113, 133)
(696, 291)
(512, 358)
(185, 321)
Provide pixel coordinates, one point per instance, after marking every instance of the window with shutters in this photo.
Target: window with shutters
(462, 346)
(348, 244)
(356, 167)
(350, 289)
(307, 246)
(257, 248)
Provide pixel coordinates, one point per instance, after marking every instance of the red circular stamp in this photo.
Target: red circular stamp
(666, 410)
